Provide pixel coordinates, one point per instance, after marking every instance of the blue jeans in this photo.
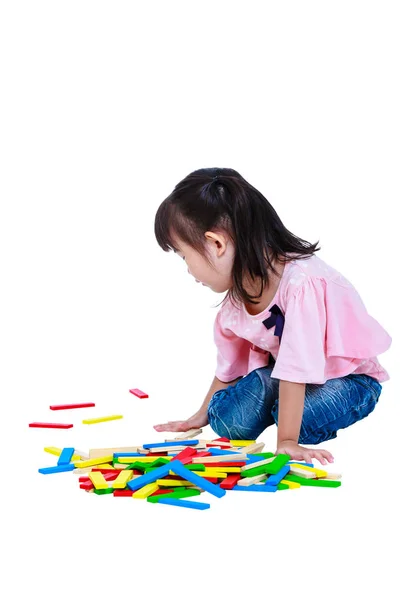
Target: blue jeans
(244, 410)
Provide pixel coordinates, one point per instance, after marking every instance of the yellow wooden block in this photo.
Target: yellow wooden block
(92, 461)
(101, 419)
(57, 452)
(120, 482)
(145, 491)
(218, 474)
(318, 472)
(291, 484)
(173, 483)
(98, 480)
(240, 443)
(219, 470)
(132, 459)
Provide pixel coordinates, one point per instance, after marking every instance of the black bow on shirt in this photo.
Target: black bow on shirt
(276, 319)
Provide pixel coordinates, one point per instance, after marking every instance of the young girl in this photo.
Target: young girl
(295, 343)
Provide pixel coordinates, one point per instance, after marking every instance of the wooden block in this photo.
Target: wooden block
(101, 419)
(141, 459)
(172, 483)
(253, 448)
(57, 451)
(145, 491)
(277, 478)
(66, 456)
(184, 503)
(259, 463)
(318, 472)
(167, 449)
(92, 461)
(57, 469)
(215, 459)
(191, 476)
(96, 452)
(186, 435)
(255, 488)
(252, 480)
(332, 476)
(143, 480)
(240, 443)
(230, 482)
(122, 479)
(302, 472)
(312, 482)
(98, 480)
(291, 484)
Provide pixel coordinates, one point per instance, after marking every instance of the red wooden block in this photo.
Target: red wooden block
(65, 406)
(223, 439)
(52, 425)
(185, 456)
(204, 453)
(123, 493)
(86, 485)
(139, 393)
(230, 481)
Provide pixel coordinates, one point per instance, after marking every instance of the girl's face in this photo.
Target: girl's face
(221, 253)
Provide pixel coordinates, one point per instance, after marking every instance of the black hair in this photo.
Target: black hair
(221, 199)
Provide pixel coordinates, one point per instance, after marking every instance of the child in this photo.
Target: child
(295, 343)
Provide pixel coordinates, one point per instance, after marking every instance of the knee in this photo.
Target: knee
(240, 411)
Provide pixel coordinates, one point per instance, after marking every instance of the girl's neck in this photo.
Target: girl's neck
(268, 292)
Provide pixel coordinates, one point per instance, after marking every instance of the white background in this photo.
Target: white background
(105, 107)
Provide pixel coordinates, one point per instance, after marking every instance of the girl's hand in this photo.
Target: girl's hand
(297, 452)
(195, 422)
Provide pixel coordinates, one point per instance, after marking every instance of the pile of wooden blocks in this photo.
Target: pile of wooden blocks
(170, 471)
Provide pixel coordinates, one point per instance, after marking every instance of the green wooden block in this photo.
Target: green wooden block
(181, 493)
(198, 467)
(263, 454)
(283, 486)
(105, 491)
(313, 482)
(253, 472)
(276, 465)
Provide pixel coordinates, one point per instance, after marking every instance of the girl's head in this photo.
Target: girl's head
(226, 231)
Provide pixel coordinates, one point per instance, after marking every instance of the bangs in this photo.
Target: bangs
(171, 225)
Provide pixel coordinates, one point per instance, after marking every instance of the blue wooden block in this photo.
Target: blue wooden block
(177, 467)
(151, 477)
(183, 503)
(118, 454)
(277, 478)
(255, 488)
(65, 456)
(58, 469)
(217, 452)
(177, 443)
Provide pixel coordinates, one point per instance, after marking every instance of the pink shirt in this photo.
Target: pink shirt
(327, 330)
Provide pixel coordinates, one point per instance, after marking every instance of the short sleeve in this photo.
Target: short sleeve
(232, 352)
(301, 357)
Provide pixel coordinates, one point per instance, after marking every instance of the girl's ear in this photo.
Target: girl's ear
(218, 240)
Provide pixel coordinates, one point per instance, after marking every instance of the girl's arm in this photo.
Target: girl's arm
(290, 415)
(200, 418)
(290, 410)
